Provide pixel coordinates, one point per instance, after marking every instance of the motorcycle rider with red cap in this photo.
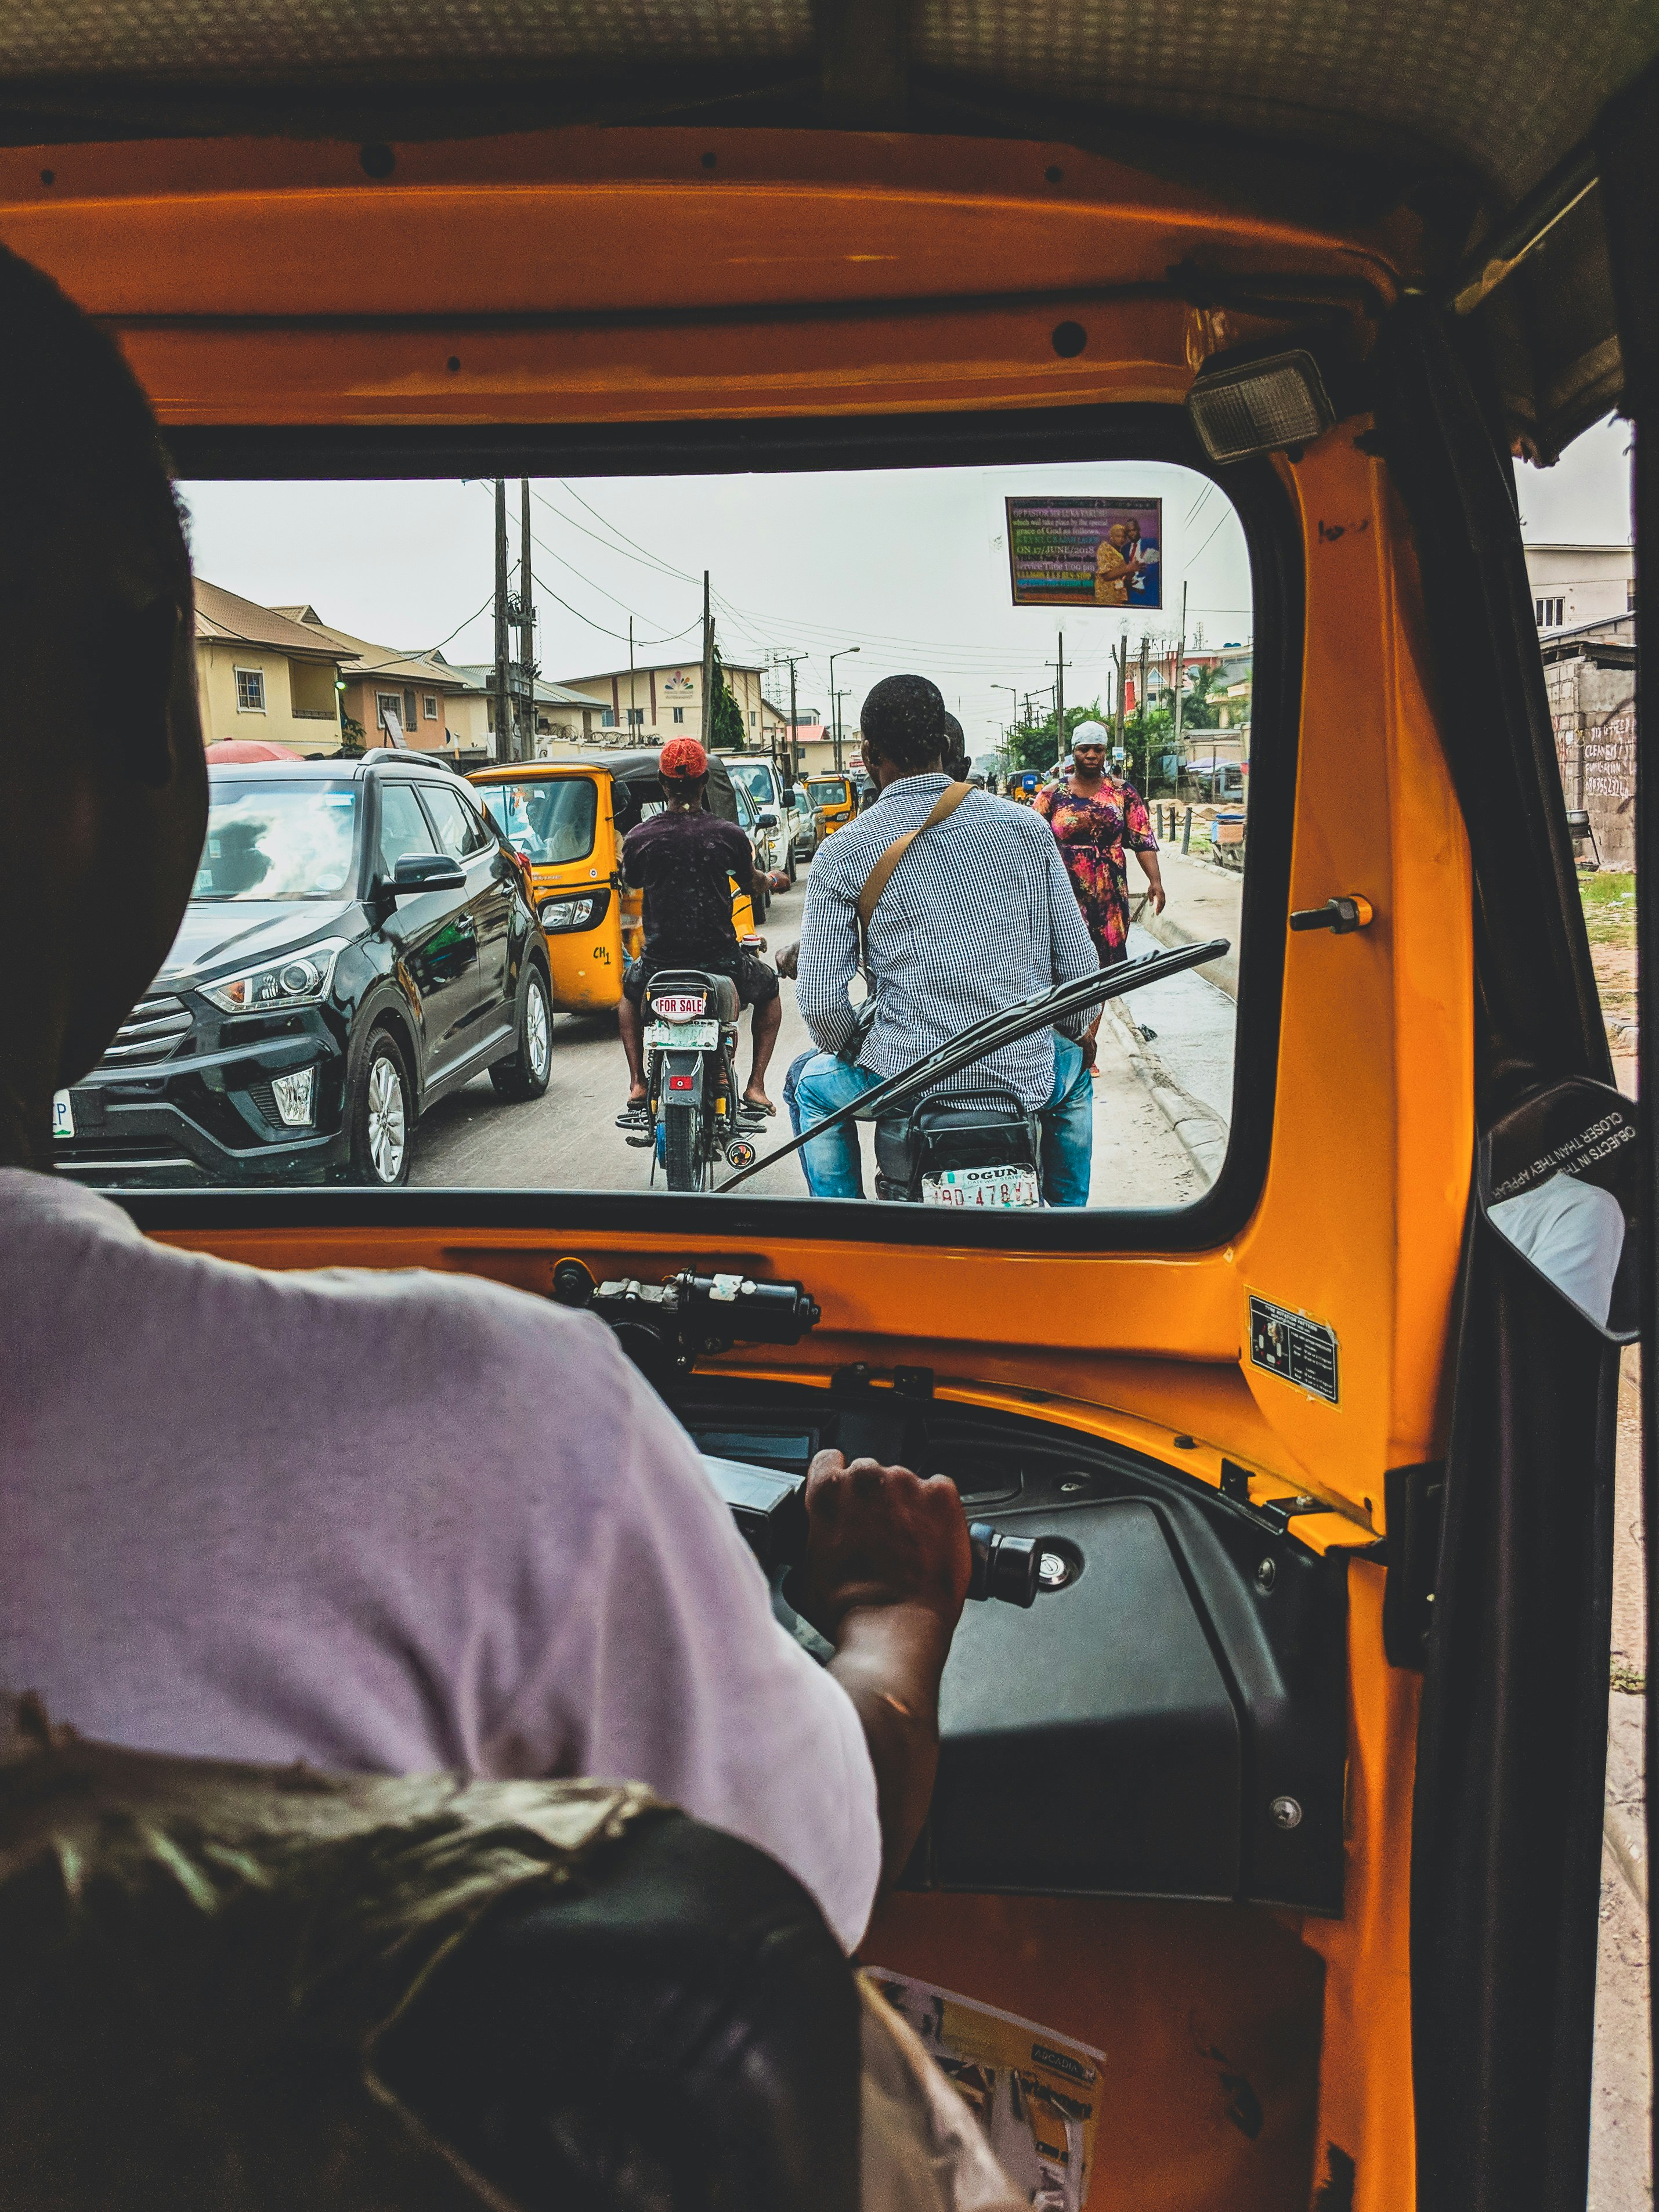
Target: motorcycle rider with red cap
(682, 858)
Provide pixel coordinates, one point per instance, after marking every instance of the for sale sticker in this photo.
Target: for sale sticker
(1289, 1344)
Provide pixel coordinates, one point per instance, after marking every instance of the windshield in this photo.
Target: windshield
(548, 819)
(1018, 600)
(755, 778)
(279, 840)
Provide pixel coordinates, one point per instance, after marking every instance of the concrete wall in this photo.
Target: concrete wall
(291, 687)
(1594, 711)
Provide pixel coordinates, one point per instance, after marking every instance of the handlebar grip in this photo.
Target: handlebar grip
(1004, 1566)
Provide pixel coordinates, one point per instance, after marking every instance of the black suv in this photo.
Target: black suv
(358, 942)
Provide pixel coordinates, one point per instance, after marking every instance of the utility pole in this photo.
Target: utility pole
(526, 627)
(1059, 667)
(633, 700)
(708, 665)
(1120, 659)
(503, 721)
(1180, 685)
(792, 758)
(1140, 711)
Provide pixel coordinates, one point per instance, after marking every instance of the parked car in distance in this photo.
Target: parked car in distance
(358, 942)
(788, 838)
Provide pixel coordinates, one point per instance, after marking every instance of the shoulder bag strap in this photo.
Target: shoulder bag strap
(875, 882)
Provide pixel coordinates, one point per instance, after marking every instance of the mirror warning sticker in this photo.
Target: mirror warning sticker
(1303, 1352)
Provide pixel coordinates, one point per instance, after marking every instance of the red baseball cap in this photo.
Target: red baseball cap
(683, 760)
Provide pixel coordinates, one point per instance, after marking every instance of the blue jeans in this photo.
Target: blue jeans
(818, 1085)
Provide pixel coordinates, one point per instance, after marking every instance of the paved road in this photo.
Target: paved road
(568, 1140)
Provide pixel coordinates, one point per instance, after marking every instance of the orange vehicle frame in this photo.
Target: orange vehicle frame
(622, 277)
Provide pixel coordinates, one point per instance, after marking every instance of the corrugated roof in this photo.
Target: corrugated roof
(387, 660)
(224, 617)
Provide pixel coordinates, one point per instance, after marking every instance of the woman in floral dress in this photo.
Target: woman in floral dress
(1096, 818)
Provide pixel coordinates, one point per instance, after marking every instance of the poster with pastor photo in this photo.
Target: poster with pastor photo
(1085, 552)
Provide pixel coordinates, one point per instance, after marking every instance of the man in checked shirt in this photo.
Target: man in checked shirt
(978, 916)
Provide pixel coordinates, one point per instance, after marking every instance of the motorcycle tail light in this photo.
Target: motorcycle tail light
(680, 1082)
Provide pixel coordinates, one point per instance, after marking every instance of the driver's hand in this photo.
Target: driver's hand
(880, 1536)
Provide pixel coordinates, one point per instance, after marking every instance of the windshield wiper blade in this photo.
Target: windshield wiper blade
(1006, 1027)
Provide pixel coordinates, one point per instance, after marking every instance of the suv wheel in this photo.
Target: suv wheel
(527, 1071)
(381, 1120)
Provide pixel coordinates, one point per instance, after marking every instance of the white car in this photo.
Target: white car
(789, 836)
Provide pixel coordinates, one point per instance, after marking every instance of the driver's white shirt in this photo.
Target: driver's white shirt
(388, 1523)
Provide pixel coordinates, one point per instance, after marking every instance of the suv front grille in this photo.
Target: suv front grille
(154, 1029)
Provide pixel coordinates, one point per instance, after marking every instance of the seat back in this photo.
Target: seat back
(238, 1989)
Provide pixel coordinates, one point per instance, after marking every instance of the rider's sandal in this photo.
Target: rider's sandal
(635, 1115)
(752, 1109)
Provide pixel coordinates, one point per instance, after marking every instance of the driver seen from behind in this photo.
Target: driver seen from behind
(684, 860)
(976, 917)
(383, 1522)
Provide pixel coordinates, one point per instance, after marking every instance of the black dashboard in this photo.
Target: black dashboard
(1168, 1719)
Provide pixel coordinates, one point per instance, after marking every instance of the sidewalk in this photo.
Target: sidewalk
(1204, 902)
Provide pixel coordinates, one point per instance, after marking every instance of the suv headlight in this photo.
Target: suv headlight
(558, 915)
(298, 979)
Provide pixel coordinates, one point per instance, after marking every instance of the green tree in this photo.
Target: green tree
(727, 732)
(1035, 744)
(1200, 712)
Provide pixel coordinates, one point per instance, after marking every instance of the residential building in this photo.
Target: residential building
(646, 706)
(1572, 584)
(382, 685)
(261, 674)
(563, 717)
(1589, 672)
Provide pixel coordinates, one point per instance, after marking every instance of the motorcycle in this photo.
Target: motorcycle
(966, 1150)
(690, 1046)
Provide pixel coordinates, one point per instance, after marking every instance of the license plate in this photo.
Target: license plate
(682, 1036)
(62, 1115)
(685, 1008)
(981, 1187)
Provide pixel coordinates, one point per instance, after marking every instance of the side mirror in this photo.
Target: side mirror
(790, 796)
(766, 821)
(1560, 1183)
(425, 871)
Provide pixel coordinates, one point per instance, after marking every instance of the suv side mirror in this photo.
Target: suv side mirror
(790, 796)
(426, 872)
(766, 821)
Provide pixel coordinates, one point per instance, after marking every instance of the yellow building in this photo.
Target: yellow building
(261, 675)
(648, 706)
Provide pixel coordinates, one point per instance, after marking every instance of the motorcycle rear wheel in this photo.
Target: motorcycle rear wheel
(682, 1150)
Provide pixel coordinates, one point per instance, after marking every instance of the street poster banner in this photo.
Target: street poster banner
(1085, 552)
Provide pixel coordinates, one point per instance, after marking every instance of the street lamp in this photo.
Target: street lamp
(840, 653)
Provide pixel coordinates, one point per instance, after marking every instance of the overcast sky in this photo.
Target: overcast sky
(909, 566)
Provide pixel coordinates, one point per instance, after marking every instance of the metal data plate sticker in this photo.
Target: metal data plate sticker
(1303, 1352)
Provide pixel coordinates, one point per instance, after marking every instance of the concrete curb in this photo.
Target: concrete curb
(1202, 1134)
(1624, 1821)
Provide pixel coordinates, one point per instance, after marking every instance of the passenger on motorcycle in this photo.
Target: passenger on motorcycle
(682, 859)
(977, 916)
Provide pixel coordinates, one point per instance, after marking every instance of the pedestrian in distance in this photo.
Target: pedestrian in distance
(1097, 817)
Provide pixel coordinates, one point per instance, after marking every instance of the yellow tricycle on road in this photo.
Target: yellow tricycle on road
(568, 819)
